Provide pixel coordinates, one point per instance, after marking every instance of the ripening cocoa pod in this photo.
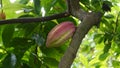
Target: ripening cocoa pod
(60, 33)
(2, 15)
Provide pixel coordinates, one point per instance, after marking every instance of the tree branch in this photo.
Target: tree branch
(88, 21)
(31, 19)
(75, 9)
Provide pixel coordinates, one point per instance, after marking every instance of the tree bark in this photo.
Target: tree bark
(88, 21)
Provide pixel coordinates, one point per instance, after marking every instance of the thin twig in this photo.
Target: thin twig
(31, 19)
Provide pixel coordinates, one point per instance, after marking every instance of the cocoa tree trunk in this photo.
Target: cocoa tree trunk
(88, 20)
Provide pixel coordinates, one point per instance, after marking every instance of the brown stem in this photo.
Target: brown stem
(35, 20)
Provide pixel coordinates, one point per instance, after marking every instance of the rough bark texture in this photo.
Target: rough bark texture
(88, 21)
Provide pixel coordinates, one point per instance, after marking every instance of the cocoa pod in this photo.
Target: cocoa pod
(60, 33)
(2, 15)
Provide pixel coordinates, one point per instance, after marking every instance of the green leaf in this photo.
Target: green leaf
(85, 2)
(107, 47)
(48, 4)
(34, 61)
(22, 41)
(24, 65)
(109, 16)
(109, 3)
(7, 34)
(39, 39)
(26, 30)
(29, 29)
(97, 65)
(66, 19)
(116, 64)
(21, 45)
(84, 60)
(37, 6)
(9, 61)
(51, 52)
(98, 38)
(11, 8)
(96, 4)
(48, 26)
(62, 4)
(103, 56)
(2, 56)
(24, 1)
(50, 62)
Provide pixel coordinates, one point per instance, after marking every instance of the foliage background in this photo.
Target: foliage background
(23, 45)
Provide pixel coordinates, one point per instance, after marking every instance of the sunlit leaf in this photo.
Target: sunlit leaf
(116, 64)
(84, 60)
